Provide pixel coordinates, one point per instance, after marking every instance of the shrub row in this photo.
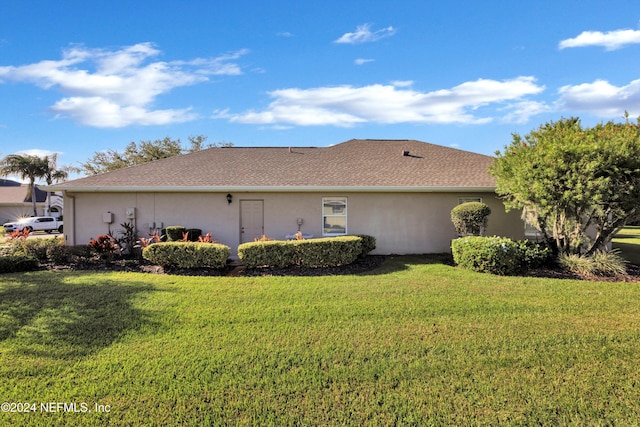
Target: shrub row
(307, 253)
(497, 255)
(324, 252)
(187, 254)
(17, 263)
(43, 250)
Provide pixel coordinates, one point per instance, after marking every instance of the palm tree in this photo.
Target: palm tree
(27, 167)
(53, 174)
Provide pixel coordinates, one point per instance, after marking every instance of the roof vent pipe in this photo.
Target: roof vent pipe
(405, 153)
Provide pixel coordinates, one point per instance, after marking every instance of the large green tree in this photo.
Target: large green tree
(27, 167)
(577, 185)
(143, 152)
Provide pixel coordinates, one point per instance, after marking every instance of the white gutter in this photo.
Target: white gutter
(270, 189)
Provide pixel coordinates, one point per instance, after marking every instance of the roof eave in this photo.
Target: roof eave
(273, 189)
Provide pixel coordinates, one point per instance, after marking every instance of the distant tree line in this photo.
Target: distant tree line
(144, 152)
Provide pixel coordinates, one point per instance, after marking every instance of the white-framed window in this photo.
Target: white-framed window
(462, 200)
(334, 216)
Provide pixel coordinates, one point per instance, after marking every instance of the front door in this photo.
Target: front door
(251, 220)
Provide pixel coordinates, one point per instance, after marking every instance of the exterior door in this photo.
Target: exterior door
(251, 220)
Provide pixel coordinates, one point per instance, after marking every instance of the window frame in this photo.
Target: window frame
(468, 199)
(344, 215)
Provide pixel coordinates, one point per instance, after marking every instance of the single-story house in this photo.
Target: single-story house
(399, 191)
(15, 201)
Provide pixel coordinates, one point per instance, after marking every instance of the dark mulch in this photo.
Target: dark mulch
(361, 265)
(555, 272)
(131, 265)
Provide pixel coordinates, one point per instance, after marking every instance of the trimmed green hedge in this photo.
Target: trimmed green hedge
(499, 255)
(368, 243)
(187, 254)
(44, 250)
(272, 253)
(18, 263)
(174, 233)
(328, 252)
(470, 218)
(324, 252)
(495, 255)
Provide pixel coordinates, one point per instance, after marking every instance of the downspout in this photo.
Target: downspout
(73, 216)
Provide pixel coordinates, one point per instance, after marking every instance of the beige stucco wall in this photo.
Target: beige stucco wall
(402, 223)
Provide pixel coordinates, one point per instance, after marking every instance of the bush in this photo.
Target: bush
(324, 252)
(174, 233)
(104, 245)
(17, 263)
(470, 219)
(193, 234)
(79, 252)
(368, 243)
(534, 254)
(577, 264)
(599, 264)
(495, 255)
(271, 253)
(187, 254)
(327, 252)
(43, 249)
(609, 263)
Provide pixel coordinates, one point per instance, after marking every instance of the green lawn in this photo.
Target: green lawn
(628, 242)
(412, 343)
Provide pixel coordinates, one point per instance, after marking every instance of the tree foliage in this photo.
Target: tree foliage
(577, 185)
(27, 167)
(143, 152)
(32, 168)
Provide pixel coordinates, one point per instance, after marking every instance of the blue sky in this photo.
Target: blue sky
(77, 77)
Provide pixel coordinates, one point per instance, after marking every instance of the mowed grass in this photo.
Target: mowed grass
(628, 242)
(412, 343)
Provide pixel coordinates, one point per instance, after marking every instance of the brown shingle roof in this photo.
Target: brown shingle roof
(359, 163)
(14, 193)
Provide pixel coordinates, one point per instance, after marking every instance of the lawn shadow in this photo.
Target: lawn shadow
(629, 251)
(396, 263)
(46, 317)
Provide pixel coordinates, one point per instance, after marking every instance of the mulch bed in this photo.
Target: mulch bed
(362, 265)
(359, 266)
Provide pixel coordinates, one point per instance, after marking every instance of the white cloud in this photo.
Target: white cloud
(402, 83)
(102, 113)
(114, 88)
(37, 152)
(361, 61)
(363, 34)
(522, 111)
(601, 99)
(611, 40)
(385, 104)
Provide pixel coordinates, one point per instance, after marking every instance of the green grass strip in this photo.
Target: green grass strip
(412, 343)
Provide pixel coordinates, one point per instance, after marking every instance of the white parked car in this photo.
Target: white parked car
(34, 223)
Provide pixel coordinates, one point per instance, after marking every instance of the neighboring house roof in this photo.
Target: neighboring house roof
(357, 164)
(14, 193)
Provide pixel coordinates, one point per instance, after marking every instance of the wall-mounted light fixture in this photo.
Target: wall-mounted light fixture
(229, 198)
